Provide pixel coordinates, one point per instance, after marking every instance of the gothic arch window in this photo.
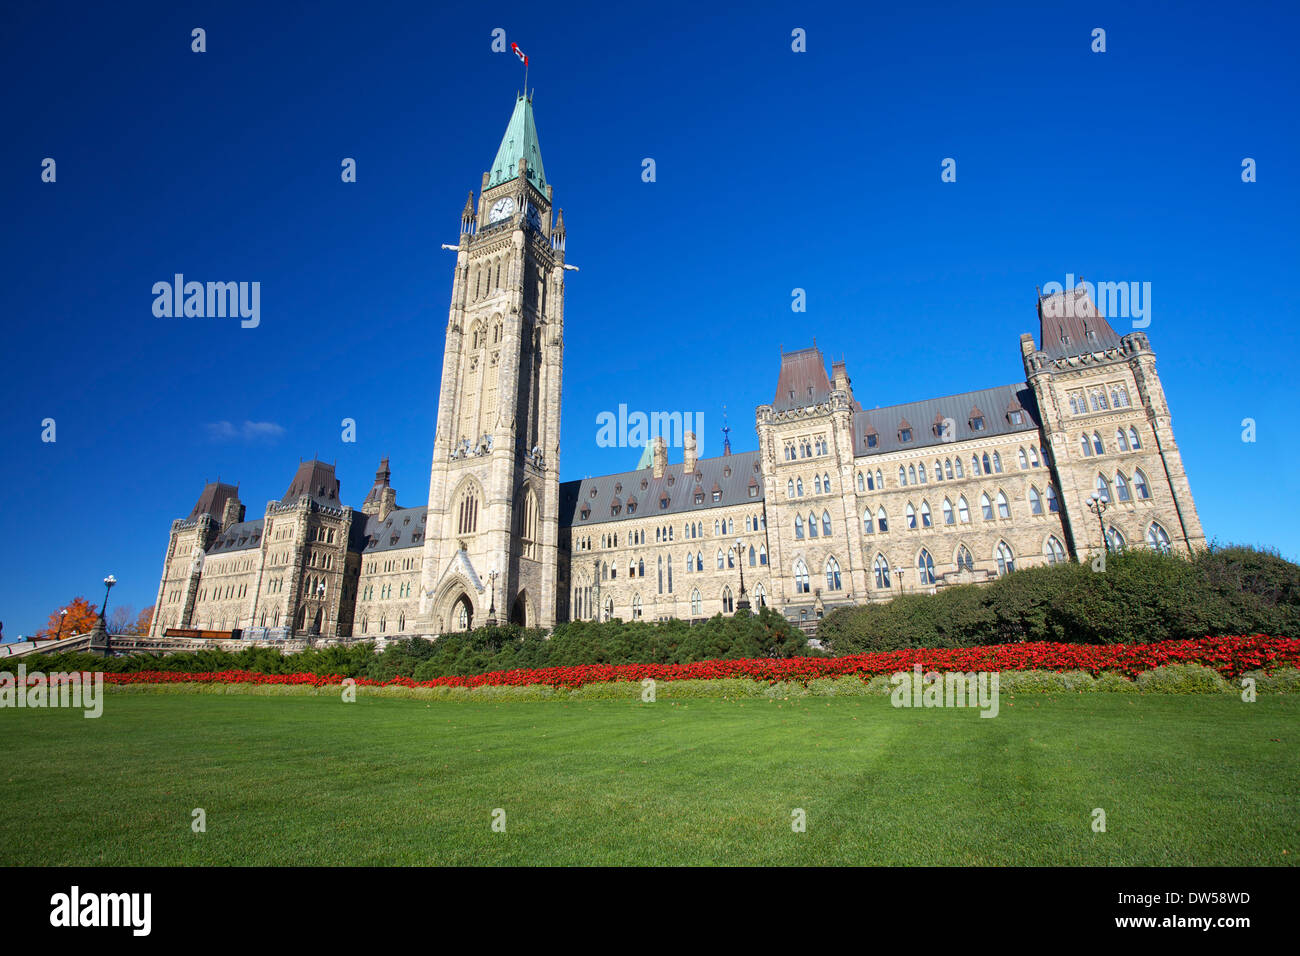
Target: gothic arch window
(1005, 559)
(817, 484)
(997, 463)
(697, 607)
(909, 516)
(1121, 440)
(880, 480)
(911, 474)
(800, 577)
(1004, 508)
(1086, 445)
(957, 467)
(762, 555)
(947, 467)
(699, 560)
(1053, 505)
(760, 596)
(826, 524)
(798, 487)
(868, 522)
(963, 510)
(1033, 456)
(920, 473)
(947, 512)
(1097, 446)
(731, 557)
(528, 523)
(467, 510)
(1103, 487)
(925, 567)
(925, 514)
(798, 526)
(902, 476)
(882, 522)
(728, 602)
(636, 607)
(871, 482)
(1122, 492)
(661, 574)
(1158, 538)
(1140, 484)
(881, 568)
(826, 483)
(974, 465)
(965, 560)
(1023, 459)
(789, 488)
(938, 470)
(812, 525)
(753, 557)
(1035, 501)
(861, 485)
(1115, 539)
(832, 574)
(986, 507)
(1133, 439)
(1053, 550)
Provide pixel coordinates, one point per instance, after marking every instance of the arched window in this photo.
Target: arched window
(902, 476)
(1006, 562)
(1121, 487)
(1115, 539)
(753, 556)
(812, 525)
(661, 574)
(868, 522)
(800, 577)
(609, 609)
(817, 484)
(640, 568)
(1103, 487)
(728, 602)
(1054, 550)
(880, 480)
(947, 467)
(986, 507)
(963, 512)
(974, 465)
(911, 474)
(871, 482)
(731, 557)
(826, 524)
(720, 559)
(1157, 537)
(956, 464)
(1033, 456)
(760, 596)
(762, 555)
(789, 488)
(997, 463)
(881, 568)
(1140, 485)
(832, 574)
(1035, 501)
(1121, 440)
(699, 560)
(798, 488)
(925, 514)
(1004, 508)
(1053, 505)
(798, 526)
(909, 516)
(881, 521)
(1097, 446)
(467, 513)
(925, 567)
(947, 512)
(1024, 461)
(861, 486)
(1133, 439)
(697, 606)
(826, 483)
(636, 607)
(987, 469)
(965, 561)
(1086, 445)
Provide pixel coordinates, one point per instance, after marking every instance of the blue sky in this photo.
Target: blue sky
(775, 170)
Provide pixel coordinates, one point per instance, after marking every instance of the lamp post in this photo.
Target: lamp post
(898, 573)
(1098, 507)
(743, 603)
(100, 641)
(108, 586)
(492, 574)
(63, 616)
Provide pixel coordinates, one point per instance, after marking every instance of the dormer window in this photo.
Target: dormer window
(905, 434)
(871, 440)
(717, 495)
(977, 423)
(663, 503)
(1017, 418)
(699, 497)
(585, 513)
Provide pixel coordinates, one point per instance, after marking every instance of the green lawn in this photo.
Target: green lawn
(1201, 779)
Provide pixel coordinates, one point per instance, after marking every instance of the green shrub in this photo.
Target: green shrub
(1183, 679)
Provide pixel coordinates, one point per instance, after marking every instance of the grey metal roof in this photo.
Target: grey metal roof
(924, 417)
(599, 494)
(213, 499)
(238, 537)
(802, 380)
(403, 528)
(316, 480)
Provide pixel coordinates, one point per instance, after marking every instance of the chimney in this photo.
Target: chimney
(660, 456)
(232, 512)
(688, 461)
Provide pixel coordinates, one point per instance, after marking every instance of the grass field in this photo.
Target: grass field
(1198, 779)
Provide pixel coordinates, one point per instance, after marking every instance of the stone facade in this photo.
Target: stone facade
(839, 504)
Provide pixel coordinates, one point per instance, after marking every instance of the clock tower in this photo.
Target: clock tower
(492, 530)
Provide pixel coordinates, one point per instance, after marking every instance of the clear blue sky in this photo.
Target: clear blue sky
(775, 170)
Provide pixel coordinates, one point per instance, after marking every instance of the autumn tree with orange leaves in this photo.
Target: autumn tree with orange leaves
(81, 618)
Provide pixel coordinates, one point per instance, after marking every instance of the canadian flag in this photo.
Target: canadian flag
(519, 53)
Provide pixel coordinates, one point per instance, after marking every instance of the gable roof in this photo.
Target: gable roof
(599, 494)
(888, 421)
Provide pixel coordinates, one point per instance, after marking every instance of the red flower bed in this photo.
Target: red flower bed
(1230, 656)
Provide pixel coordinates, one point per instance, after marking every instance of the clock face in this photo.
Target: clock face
(502, 209)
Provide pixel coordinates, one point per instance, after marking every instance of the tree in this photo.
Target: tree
(122, 619)
(80, 619)
(144, 621)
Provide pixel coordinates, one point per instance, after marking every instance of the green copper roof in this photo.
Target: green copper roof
(647, 457)
(519, 142)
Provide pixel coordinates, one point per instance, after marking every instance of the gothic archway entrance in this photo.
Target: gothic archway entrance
(462, 614)
(519, 611)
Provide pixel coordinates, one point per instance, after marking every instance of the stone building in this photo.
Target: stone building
(840, 504)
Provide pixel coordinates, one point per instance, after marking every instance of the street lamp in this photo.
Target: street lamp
(743, 603)
(898, 573)
(493, 574)
(108, 586)
(63, 616)
(1098, 507)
